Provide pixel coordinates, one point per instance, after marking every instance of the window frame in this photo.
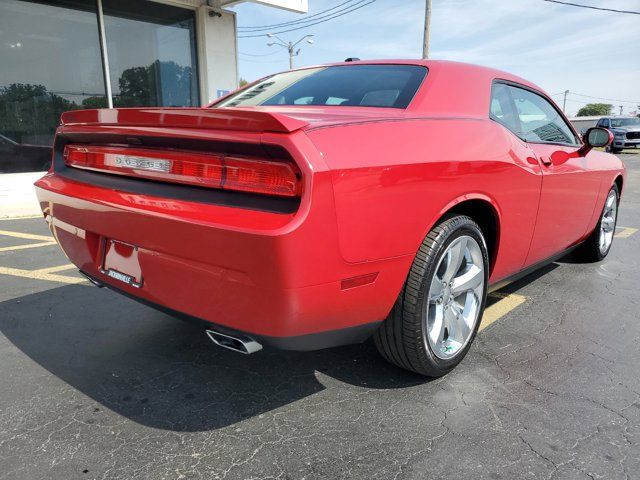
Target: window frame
(544, 96)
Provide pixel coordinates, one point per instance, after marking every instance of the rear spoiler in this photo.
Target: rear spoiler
(204, 118)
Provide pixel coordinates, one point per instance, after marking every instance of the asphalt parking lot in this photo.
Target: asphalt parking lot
(94, 385)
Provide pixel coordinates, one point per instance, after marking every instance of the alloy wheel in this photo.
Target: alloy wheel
(454, 298)
(608, 222)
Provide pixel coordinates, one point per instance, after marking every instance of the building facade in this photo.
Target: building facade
(59, 55)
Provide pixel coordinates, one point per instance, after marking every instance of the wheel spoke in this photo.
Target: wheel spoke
(458, 328)
(455, 255)
(435, 291)
(607, 224)
(436, 332)
(470, 280)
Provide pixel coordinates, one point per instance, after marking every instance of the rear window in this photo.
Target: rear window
(391, 86)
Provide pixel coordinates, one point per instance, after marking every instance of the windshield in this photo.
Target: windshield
(624, 122)
(391, 86)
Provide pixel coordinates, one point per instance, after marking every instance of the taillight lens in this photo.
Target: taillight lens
(191, 168)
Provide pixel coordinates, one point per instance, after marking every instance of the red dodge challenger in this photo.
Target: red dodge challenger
(322, 206)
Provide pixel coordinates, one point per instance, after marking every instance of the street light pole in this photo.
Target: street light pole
(290, 46)
(427, 30)
(564, 102)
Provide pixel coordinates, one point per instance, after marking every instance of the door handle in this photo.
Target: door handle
(546, 160)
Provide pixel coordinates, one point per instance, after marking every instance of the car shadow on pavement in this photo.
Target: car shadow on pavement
(164, 373)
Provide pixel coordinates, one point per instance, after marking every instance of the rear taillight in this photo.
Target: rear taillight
(191, 168)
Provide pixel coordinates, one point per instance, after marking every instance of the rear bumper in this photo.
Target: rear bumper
(277, 277)
(308, 342)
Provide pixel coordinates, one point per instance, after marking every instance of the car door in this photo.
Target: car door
(569, 186)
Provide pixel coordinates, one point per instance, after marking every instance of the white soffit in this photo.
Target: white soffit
(299, 6)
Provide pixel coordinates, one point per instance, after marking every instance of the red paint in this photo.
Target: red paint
(374, 182)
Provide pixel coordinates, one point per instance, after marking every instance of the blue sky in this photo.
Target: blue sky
(557, 47)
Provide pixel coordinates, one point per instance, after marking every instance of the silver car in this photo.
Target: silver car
(626, 131)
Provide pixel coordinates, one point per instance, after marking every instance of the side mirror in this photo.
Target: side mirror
(595, 137)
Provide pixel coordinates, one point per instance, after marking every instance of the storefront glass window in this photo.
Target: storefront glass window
(49, 62)
(152, 54)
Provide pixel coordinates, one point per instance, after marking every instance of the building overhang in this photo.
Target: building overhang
(299, 6)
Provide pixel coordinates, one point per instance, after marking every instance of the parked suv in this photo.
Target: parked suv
(626, 131)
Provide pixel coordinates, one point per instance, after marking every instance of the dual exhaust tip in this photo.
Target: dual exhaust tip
(237, 343)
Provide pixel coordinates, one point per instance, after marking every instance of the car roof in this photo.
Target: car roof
(448, 65)
(450, 88)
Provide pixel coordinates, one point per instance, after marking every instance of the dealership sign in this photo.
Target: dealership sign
(300, 6)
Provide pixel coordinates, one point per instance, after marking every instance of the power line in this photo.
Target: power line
(292, 22)
(312, 24)
(592, 7)
(598, 98)
(258, 54)
(301, 22)
(607, 99)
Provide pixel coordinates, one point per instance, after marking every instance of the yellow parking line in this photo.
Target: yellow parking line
(499, 309)
(26, 236)
(59, 268)
(20, 218)
(23, 247)
(38, 275)
(626, 232)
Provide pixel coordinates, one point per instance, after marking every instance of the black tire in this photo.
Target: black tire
(400, 339)
(589, 251)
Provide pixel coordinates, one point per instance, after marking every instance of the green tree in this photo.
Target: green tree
(161, 83)
(28, 110)
(242, 82)
(595, 109)
(95, 102)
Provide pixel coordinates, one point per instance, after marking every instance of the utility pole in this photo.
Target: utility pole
(427, 29)
(564, 102)
(290, 46)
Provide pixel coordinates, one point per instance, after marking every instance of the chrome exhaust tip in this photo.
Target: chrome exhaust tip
(237, 343)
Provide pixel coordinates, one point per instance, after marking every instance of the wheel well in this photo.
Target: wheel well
(486, 217)
(618, 182)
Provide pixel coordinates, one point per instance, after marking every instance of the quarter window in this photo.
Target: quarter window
(529, 115)
(540, 122)
(502, 110)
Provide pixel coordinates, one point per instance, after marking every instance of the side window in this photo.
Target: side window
(605, 123)
(540, 122)
(502, 110)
